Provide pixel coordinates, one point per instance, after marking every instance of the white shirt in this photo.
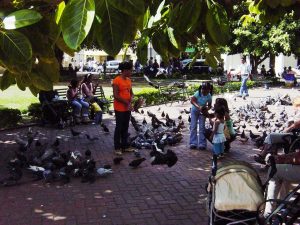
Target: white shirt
(245, 69)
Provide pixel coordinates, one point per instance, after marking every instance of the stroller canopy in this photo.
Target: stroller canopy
(237, 187)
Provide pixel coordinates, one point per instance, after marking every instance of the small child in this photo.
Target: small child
(97, 111)
(218, 136)
(229, 131)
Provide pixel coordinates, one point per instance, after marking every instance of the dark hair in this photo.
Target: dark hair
(206, 86)
(222, 102)
(73, 83)
(125, 66)
(86, 77)
(220, 111)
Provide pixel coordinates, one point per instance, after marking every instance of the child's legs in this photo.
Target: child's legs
(98, 117)
(76, 108)
(193, 127)
(218, 148)
(202, 140)
(85, 108)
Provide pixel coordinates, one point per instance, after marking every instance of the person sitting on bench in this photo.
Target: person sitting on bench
(80, 107)
(274, 139)
(52, 107)
(288, 171)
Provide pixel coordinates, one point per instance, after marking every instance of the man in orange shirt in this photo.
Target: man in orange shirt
(123, 96)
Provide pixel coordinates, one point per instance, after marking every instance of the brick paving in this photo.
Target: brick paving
(150, 195)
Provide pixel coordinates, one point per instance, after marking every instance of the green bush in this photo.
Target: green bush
(153, 97)
(9, 117)
(35, 110)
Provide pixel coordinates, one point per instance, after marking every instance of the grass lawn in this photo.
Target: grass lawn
(13, 97)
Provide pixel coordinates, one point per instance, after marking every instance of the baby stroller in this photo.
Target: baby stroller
(235, 192)
(236, 196)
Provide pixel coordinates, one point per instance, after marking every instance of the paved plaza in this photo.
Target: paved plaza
(150, 195)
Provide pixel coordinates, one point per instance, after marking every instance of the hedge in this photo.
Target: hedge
(153, 97)
(9, 117)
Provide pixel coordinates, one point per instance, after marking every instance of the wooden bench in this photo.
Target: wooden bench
(62, 93)
(174, 91)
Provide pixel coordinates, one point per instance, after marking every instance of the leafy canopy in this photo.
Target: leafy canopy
(31, 31)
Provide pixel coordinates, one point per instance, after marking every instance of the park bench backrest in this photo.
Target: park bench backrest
(62, 93)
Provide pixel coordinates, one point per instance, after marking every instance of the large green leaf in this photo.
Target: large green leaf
(15, 46)
(7, 80)
(34, 90)
(112, 29)
(59, 11)
(20, 83)
(21, 18)
(48, 70)
(60, 43)
(131, 29)
(188, 15)
(40, 81)
(217, 24)
(142, 49)
(76, 21)
(130, 7)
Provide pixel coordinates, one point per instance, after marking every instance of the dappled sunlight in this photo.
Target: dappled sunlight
(108, 191)
(98, 196)
(199, 169)
(202, 199)
(49, 215)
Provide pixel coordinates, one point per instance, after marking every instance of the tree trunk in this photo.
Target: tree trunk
(272, 60)
(254, 64)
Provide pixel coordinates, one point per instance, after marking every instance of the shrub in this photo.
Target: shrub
(153, 97)
(35, 110)
(9, 117)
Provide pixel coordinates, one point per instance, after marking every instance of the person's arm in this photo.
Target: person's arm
(291, 158)
(84, 90)
(295, 125)
(117, 96)
(194, 102)
(94, 87)
(215, 128)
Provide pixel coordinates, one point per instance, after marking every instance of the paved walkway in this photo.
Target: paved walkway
(149, 195)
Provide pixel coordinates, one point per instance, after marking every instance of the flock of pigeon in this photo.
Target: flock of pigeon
(257, 117)
(45, 161)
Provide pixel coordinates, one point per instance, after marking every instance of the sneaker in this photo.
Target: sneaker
(239, 96)
(193, 147)
(246, 95)
(85, 119)
(118, 152)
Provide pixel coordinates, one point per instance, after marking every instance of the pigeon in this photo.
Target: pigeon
(180, 117)
(189, 119)
(163, 114)
(117, 160)
(135, 163)
(102, 172)
(137, 153)
(91, 138)
(186, 111)
(104, 127)
(142, 111)
(150, 82)
(253, 136)
(158, 109)
(242, 140)
(56, 143)
(75, 133)
(144, 122)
